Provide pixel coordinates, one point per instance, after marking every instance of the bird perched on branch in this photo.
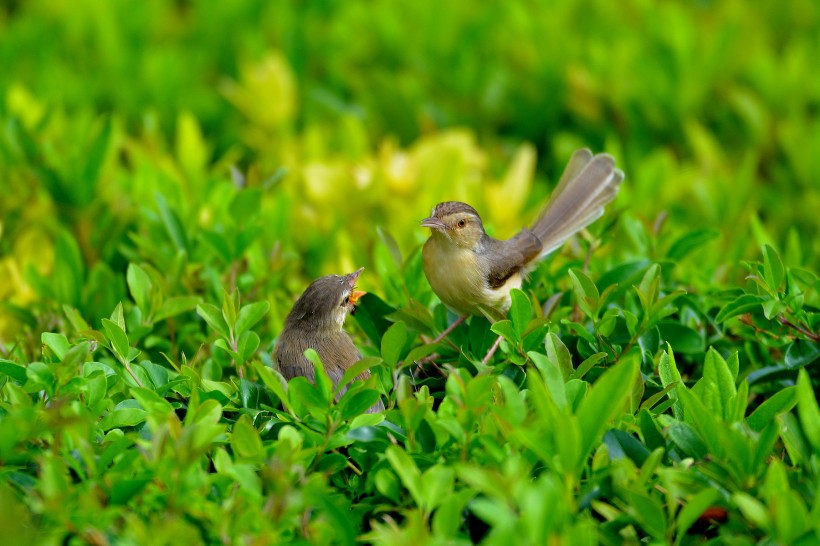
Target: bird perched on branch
(473, 273)
(316, 322)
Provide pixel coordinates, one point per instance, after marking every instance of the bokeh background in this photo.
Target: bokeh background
(261, 144)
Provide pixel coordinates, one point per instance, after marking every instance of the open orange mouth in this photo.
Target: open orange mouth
(355, 295)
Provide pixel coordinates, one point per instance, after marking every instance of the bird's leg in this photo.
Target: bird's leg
(492, 351)
(449, 329)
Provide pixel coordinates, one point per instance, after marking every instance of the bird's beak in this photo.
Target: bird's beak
(355, 295)
(353, 277)
(433, 223)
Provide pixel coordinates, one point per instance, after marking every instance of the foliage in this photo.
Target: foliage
(174, 174)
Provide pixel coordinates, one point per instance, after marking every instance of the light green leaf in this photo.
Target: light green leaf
(606, 399)
(174, 306)
(558, 353)
(807, 409)
(213, 316)
(586, 293)
(118, 339)
(139, 284)
(743, 304)
(520, 312)
(245, 439)
(773, 270)
(407, 471)
(694, 507)
(58, 343)
(249, 315)
(669, 374)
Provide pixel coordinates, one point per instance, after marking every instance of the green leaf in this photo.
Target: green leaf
(587, 365)
(604, 401)
(95, 158)
(405, 467)
(393, 343)
(707, 424)
(275, 382)
(230, 308)
(807, 410)
(118, 339)
(520, 312)
(739, 306)
(126, 417)
(42, 374)
(58, 343)
(172, 223)
(139, 284)
(781, 402)
(752, 509)
(15, 371)
(694, 507)
(684, 339)
(558, 353)
(802, 353)
(213, 316)
(669, 374)
(773, 270)
(586, 293)
(305, 397)
(249, 315)
(366, 363)
(245, 205)
(322, 380)
(174, 306)
(247, 345)
(151, 401)
(437, 484)
(245, 439)
(355, 403)
(553, 378)
(690, 242)
(649, 513)
(716, 371)
(118, 317)
(505, 329)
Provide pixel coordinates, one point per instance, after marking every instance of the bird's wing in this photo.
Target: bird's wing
(503, 259)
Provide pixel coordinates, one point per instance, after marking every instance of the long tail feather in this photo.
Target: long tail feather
(588, 184)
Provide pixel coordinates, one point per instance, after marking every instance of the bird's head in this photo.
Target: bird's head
(456, 222)
(324, 305)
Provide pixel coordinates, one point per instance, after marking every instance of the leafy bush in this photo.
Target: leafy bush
(174, 174)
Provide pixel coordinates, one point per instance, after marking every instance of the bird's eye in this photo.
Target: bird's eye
(462, 223)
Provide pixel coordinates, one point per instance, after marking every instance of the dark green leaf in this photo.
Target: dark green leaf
(802, 353)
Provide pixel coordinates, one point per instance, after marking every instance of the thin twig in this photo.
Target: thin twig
(811, 335)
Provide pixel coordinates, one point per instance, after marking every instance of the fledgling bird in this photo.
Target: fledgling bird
(316, 322)
(473, 273)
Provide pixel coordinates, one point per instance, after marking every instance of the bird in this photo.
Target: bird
(316, 322)
(473, 273)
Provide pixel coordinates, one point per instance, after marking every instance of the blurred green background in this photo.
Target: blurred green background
(261, 144)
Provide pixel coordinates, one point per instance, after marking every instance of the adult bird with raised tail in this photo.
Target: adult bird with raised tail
(473, 273)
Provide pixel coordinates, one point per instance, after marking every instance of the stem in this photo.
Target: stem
(492, 351)
(449, 329)
(811, 335)
(130, 371)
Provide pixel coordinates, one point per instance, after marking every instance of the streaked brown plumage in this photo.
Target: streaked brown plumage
(316, 322)
(473, 273)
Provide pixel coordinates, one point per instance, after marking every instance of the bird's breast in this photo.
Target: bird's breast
(458, 279)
